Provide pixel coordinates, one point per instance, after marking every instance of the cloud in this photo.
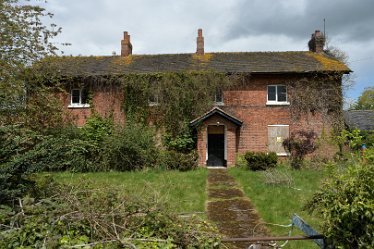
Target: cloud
(349, 19)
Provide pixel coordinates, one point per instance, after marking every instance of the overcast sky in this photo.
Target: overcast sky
(95, 27)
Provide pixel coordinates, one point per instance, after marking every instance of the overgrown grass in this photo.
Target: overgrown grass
(277, 203)
(182, 191)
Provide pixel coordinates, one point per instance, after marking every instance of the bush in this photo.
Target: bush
(132, 148)
(14, 142)
(346, 203)
(261, 160)
(97, 128)
(182, 143)
(58, 154)
(299, 144)
(175, 160)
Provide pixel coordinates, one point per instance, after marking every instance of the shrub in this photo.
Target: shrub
(299, 144)
(182, 143)
(346, 203)
(97, 128)
(178, 161)
(241, 162)
(261, 160)
(368, 155)
(15, 141)
(58, 154)
(132, 148)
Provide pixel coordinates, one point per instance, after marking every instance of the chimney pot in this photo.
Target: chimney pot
(317, 42)
(126, 46)
(200, 42)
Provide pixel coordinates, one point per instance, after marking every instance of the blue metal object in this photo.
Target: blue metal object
(308, 230)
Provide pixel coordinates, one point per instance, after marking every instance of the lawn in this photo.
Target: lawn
(184, 192)
(277, 203)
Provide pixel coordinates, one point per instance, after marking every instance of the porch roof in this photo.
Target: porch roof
(218, 111)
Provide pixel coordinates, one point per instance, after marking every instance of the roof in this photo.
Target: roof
(216, 111)
(241, 62)
(360, 119)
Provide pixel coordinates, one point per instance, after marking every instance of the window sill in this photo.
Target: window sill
(282, 154)
(219, 103)
(277, 103)
(153, 104)
(79, 106)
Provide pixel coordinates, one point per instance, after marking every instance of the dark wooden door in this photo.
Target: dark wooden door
(216, 150)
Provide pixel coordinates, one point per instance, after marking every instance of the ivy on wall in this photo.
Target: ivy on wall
(318, 95)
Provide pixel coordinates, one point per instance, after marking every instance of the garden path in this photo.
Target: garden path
(230, 210)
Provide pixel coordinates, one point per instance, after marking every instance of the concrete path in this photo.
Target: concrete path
(230, 210)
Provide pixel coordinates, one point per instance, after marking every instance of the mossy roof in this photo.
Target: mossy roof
(241, 62)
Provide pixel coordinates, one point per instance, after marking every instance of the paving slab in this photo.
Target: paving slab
(230, 210)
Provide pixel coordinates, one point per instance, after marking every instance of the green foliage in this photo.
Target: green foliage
(105, 218)
(132, 148)
(97, 128)
(14, 142)
(56, 154)
(354, 138)
(368, 155)
(299, 144)
(260, 160)
(175, 160)
(241, 162)
(346, 203)
(24, 40)
(183, 143)
(181, 97)
(366, 100)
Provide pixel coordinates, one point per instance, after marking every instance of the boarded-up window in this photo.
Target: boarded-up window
(276, 135)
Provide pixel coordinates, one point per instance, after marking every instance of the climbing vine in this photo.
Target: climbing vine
(177, 97)
(317, 97)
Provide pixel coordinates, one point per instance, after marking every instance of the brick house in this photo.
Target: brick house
(255, 116)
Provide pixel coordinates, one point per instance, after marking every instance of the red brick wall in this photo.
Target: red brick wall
(106, 102)
(248, 103)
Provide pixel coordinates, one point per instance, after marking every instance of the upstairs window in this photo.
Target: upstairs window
(79, 97)
(277, 95)
(153, 99)
(218, 97)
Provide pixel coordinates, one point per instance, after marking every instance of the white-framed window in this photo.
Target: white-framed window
(277, 95)
(79, 98)
(218, 97)
(153, 99)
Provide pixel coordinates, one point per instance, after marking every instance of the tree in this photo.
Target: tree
(366, 100)
(24, 39)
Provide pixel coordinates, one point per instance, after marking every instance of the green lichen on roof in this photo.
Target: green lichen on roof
(239, 62)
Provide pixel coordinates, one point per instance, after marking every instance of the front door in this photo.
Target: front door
(216, 146)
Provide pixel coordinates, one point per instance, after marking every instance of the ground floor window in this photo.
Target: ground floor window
(276, 135)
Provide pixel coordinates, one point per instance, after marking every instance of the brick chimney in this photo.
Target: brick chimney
(317, 42)
(126, 47)
(200, 42)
